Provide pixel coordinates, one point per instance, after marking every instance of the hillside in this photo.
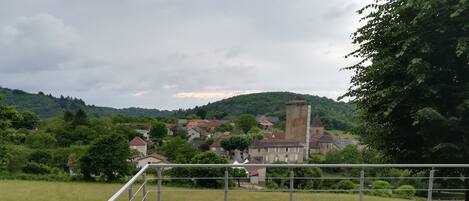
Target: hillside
(48, 105)
(337, 115)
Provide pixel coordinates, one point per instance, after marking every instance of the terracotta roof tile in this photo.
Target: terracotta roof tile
(137, 141)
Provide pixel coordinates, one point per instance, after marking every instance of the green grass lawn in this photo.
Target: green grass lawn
(16, 190)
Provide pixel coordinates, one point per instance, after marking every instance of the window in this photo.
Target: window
(259, 150)
(267, 158)
(296, 157)
(286, 158)
(259, 158)
(286, 149)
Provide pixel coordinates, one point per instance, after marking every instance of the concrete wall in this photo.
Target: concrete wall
(141, 149)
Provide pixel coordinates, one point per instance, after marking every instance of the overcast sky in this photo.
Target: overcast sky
(170, 54)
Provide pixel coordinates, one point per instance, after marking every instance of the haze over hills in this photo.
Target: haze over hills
(334, 114)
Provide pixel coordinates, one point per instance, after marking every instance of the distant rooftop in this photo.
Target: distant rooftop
(137, 141)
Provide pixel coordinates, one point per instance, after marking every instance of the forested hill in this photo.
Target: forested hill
(334, 114)
(48, 105)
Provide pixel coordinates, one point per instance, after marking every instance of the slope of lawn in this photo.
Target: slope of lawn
(16, 190)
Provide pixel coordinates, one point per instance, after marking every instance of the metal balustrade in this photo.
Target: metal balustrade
(142, 179)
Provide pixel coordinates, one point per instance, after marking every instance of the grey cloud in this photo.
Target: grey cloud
(108, 51)
(39, 42)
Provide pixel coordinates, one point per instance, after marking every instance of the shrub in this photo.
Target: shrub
(40, 156)
(38, 177)
(345, 185)
(36, 168)
(405, 191)
(40, 140)
(382, 188)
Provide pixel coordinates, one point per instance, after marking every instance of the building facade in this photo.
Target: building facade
(297, 125)
(269, 151)
(138, 144)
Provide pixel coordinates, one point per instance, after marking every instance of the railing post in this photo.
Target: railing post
(292, 175)
(144, 188)
(131, 195)
(225, 197)
(158, 186)
(362, 184)
(430, 184)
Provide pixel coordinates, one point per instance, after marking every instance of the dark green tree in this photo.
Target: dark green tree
(233, 142)
(80, 118)
(180, 132)
(107, 156)
(40, 140)
(158, 131)
(36, 168)
(8, 114)
(28, 120)
(208, 157)
(238, 173)
(177, 148)
(412, 84)
(246, 122)
(313, 176)
(201, 113)
(40, 156)
(68, 116)
(224, 127)
(280, 175)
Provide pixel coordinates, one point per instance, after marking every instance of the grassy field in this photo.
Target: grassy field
(14, 190)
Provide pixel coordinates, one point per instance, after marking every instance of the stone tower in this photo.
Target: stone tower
(317, 128)
(297, 126)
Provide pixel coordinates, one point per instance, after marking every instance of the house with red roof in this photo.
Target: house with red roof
(138, 144)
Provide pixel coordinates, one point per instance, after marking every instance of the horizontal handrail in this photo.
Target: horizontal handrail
(316, 165)
(362, 166)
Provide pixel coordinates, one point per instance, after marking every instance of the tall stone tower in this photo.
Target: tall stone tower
(298, 122)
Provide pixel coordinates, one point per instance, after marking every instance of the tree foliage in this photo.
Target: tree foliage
(412, 85)
(178, 150)
(158, 131)
(246, 122)
(49, 106)
(208, 157)
(233, 142)
(107, 157)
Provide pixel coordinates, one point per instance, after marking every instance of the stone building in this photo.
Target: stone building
(138, 144)
(319, 142)
(269, 152)
(297, 125)
(276, 148)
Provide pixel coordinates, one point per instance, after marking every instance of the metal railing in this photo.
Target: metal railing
(142, 179)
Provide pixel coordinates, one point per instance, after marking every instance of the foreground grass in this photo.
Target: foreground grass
(16, 190)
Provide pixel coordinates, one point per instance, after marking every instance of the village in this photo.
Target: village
(303, 136)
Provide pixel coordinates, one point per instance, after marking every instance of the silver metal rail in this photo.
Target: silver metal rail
(142, 179)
